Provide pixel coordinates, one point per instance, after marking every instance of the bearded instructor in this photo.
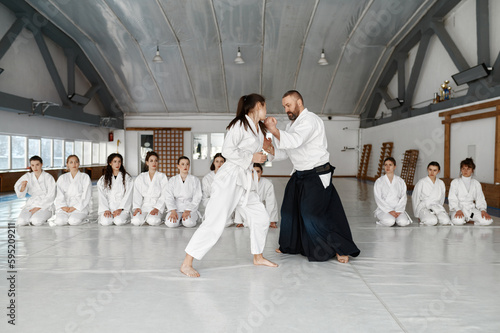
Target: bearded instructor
(313, 222)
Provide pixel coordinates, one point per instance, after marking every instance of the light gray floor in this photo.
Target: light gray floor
(126, 279)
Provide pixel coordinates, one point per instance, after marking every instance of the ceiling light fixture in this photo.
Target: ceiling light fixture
(322, 60)
(239, 60)
(157, 57)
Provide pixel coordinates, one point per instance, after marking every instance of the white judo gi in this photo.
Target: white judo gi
(428, 200)
(42, 192)
(115, 198)
(183, 195)
(206, 184)
(266, 194)
(148, 196)
(471, 202)
(234, 188)
(390, 197)
(73, 192)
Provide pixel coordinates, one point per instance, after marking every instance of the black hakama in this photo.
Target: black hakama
(313, 222)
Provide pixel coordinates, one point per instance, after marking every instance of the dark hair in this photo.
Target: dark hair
(108, 174)
(183, 158)
(212, 167)
(434, 163)
(258, 165)
(148, 155)
(35, 158)
(390, 159)
(295, 94)
(246, 104)
(468, 162)
(70, 156)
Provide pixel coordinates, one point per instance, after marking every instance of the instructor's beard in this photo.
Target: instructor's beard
(292, 115)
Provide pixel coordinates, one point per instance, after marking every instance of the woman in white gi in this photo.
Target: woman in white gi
(115, 193)
(266, 195)
(41, 186)
(390, 196)
(182, 197)
(234, 187)
(74, 193)
(428, 198)
(466, 198)
(148, 202)
(209, 177)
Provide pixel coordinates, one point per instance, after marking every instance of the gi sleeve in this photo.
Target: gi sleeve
(381, 203)
(160, 203)
(480, 199)
(103, 198)
(169, 195)
(415, 199)
(17, 186)
(401, 206)
(86, 195)
(137, 197)
(195, 201)
(292, 140)
(453, 202)
(126, 202)
(60, 200)
(232, 150)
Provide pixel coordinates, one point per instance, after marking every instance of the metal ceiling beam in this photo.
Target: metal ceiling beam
(417, 67)
(483, 31)
(70, 60)
(223, 69)
(401, 60)
(10, 36)
(450, 46)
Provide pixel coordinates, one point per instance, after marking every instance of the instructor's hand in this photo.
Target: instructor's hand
(270, 123)
(259, 158)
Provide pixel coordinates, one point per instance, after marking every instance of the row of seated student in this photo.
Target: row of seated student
(465, 198)
(143, 200)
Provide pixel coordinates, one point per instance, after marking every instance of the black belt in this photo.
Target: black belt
(319, 170)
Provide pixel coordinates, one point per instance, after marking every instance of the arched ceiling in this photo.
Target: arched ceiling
(280, 41)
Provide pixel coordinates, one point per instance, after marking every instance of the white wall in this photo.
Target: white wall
(338, 137)
(426, 133)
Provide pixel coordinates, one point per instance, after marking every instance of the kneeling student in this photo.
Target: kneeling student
(115, 193)
(41, 186)
(390, 196)
(74, 193)
(428, 198)
(466, 198)
(148, 202)
(182, 197)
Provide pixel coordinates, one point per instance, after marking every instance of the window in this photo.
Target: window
(68, 149)
(87, 153)
(216, 141)
(33, 147)
(79, 151)
(95, 153)
(47, 152)
(58, 154)
(4, 152)
(18, 152)
(102, 152)
(200, 146)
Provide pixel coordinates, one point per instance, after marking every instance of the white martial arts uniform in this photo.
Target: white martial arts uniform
(73, 192)
(183, 195)
(267, 197)
(304, 142)
(390, 197)
(148, 196)
(115, 198)
(42, 192)
(470, 201)
(428, 200)
(234, 188)
(206, 185)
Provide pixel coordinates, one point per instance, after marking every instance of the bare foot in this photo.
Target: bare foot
(187, 267)
(239, 225)
(273, 225)
(343, 259)
(189, 271)
(278, 250)
(258, 259)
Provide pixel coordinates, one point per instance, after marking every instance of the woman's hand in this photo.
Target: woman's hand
(23, 185)
(186, 215)
(259, 158)
(117, 212)
(173, 216)
(137, 210)
(154, 212)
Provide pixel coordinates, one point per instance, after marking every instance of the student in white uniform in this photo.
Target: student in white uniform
(390, 196)
(41, 186)
(74, 193)
(466, 198)
(148, 202)
(267, 197)
(234, 187)
(428, 198)
(182, 197)
(206, 184)
(115, 193)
